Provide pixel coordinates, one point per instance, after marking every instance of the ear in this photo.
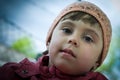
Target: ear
(95, 65)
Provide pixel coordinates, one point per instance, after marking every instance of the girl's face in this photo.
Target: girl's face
(75, 46)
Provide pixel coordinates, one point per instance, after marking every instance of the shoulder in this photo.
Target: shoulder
(9, 70)
(97, 76)
(100, 76)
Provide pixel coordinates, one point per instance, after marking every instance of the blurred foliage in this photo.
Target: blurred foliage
(24, 45)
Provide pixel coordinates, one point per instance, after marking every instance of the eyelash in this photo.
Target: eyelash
(88, 39)
(67, 30)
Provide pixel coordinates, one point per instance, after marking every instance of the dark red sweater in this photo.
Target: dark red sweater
(26, 70)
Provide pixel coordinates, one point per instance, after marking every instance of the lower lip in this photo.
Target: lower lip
(66, 55)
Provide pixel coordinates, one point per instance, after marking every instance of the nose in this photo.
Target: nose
(73, 41)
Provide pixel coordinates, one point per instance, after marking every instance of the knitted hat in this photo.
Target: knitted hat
(93, 10)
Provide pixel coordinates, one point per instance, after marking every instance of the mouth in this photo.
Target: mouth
(68, 51)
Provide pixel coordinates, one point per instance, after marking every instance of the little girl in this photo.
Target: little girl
(77, 43)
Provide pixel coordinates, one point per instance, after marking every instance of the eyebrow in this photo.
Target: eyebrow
(68, 22)
(93, 32)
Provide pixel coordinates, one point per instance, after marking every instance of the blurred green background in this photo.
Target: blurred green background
(24, 25)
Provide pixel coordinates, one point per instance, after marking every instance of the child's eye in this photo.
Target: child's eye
(88, 39)
(67, 30)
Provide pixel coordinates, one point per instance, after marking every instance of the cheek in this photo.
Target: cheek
(92, 55)
(88, 57)
(53, 51)
(92, 51)
(54, 46)
(86, 63)
(57, 41)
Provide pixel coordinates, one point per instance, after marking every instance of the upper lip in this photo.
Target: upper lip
(69, 51)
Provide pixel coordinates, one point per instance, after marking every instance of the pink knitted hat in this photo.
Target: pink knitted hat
(92, 10)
